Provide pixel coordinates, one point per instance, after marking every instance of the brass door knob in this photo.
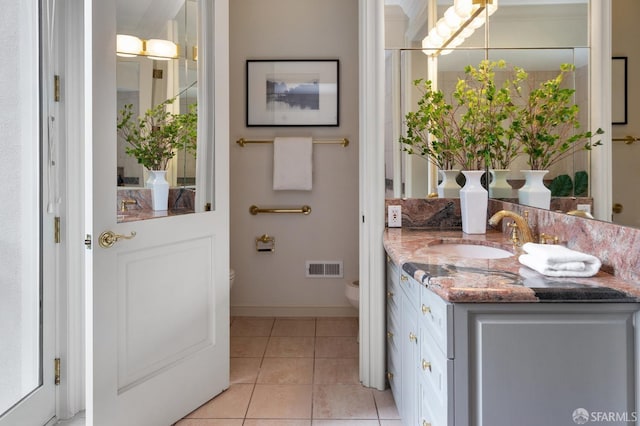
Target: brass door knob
(108, 238)
(426, 365)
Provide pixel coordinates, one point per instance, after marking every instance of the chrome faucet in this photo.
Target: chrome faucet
(521, 224)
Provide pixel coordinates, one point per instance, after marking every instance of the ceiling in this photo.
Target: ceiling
(145, 18)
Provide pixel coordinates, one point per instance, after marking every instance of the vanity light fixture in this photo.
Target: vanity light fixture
(161, 50)
(458, 23)
(128, 46)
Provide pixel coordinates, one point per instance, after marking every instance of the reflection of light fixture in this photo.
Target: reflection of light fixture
(458, 23)
(161, 50)
(128, 46)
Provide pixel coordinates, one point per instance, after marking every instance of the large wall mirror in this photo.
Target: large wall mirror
(146, 80)
(537, 36)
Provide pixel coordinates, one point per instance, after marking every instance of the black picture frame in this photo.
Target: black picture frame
(619, 90)
(292, 92)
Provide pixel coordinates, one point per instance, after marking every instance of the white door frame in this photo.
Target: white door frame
(600, 96)
(372, 260)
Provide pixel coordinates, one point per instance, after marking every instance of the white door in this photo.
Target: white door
(27, 250)
(158, 305)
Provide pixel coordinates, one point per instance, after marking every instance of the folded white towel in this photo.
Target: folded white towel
(292, 163)
(558, 261)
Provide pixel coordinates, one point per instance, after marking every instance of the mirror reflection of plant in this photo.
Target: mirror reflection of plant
(433, 116)
(547, 124)
(188, 130)
(489, 108)
(470, 131)
(155, 136)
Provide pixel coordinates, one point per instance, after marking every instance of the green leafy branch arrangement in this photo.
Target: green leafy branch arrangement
(491, 124)
(547, 124)
(155, 137)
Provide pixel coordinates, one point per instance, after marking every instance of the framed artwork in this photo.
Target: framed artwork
(619, 90)
(293, 92)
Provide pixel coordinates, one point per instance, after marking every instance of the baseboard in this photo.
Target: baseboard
(293, 311)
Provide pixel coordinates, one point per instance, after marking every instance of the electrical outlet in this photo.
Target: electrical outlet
(584, 207)
(394, 219)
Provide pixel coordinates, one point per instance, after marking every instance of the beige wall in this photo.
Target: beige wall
(626, 173)
(294, 29)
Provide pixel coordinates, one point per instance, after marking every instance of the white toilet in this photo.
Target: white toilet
(352, 292)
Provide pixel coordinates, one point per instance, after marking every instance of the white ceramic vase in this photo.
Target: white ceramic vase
(473, 203)
(159, 186)
(534, 193)
(499, 187)
(448, 187)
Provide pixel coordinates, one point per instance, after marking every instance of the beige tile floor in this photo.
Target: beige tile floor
(295, 372)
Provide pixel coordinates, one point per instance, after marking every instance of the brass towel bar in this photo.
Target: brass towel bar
(344, 141)
(254, 210)
(627, 140)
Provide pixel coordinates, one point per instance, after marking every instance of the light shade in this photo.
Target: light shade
(162, 50)
(128, 46)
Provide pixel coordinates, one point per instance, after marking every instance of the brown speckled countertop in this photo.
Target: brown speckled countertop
(468, 280)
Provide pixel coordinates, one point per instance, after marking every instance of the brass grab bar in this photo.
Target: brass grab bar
(254, 210)
(627, 140)
(344, 141)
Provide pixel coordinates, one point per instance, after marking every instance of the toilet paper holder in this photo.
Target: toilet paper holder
(265, 243)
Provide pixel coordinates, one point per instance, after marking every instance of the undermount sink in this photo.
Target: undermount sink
(472, 251)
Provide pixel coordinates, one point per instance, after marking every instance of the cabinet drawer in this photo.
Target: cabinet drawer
(436, 371)
(393, 373)
(393, 275)
(434, 314)
(393, 329)
(411, 289)
(393, 299)
(430, 413)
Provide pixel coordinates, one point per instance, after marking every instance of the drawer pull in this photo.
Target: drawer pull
(426, 309)
(425, 423)
(389, 334)
(426, 365)
(390, 376)
(412, 337)
(403, 278)
(389, 294)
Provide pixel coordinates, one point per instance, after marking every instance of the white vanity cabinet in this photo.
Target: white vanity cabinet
(505, 364)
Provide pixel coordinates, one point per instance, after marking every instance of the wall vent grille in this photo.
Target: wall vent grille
(324, 269)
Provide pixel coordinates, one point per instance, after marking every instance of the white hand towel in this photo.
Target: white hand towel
(292, 163)
(558, 261)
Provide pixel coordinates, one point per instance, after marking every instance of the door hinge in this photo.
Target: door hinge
(56, 88)
(56, 229)
(56, 371)
(207, 207)
(87, 241)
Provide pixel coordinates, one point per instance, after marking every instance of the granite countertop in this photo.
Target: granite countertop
(468, 280)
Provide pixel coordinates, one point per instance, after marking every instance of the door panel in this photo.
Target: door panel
(158, 329)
